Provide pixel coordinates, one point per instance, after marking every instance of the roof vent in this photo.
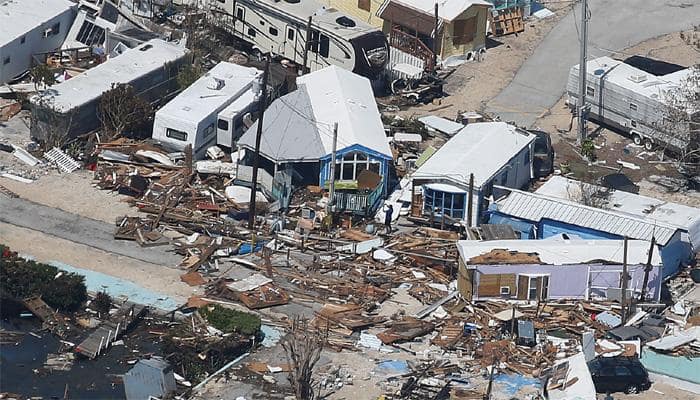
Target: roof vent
(637, 78)
(215, 83)
(345, 21)
(599, 72)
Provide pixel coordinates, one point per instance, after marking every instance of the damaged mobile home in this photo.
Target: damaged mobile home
(151, 69)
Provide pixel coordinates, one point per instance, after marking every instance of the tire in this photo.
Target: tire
(632, 389)
(637, 139)
(648, 145)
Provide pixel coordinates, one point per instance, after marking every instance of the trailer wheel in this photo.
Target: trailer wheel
(648, 145)
(637, 139)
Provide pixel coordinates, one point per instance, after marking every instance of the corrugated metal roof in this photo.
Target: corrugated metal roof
(535, 207)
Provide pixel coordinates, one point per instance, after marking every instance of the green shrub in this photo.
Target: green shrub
(21, 278)
(228, 320)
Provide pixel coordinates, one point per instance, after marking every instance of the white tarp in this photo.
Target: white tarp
(252, 282)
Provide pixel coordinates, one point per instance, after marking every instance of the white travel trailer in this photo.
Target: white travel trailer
(192, 117)
(231, 125)
(279, 27)
(632, 100)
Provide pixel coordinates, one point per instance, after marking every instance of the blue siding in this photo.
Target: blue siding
(384, 165)
(685, 368)
(526, 229)
(674, 254)
(548, 228)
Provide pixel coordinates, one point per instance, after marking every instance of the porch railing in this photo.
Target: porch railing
(358, 203)
(411, 45)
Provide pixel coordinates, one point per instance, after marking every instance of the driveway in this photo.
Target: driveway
(614, 25)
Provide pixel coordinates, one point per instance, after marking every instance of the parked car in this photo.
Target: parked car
(543, 158)
(619, 374)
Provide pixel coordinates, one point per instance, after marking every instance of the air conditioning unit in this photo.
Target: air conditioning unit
(638, 78)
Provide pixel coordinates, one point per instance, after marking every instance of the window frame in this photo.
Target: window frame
(590, 91)
(634, 107)
(291, 33)
(240, 13)
(219, 124)
(273, 31)
(324, 45)
(176, 134)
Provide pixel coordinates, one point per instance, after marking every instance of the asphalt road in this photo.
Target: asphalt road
(614, 25)
(78, 229)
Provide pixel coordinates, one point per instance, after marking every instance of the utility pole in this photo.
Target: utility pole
(583, 44)
(470, 201)
(258, 135)
(436, 47)
(331, 199)
(307, 46)
(647, 268)
(623, 295)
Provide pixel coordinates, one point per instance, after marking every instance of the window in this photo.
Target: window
(633, 107)
(438, 203)
(209, 130)
(251, 32)
(349, 167)
(222, 124)
(22, 39)
(633, 123)
(56, 28)
(324, 46)
(590, 91)
(240, 13)
(273, 31)
(175, 134)
(504, 177)
(532, 288)
(364, 5)
(505, 290)
(290, 33)
(6, 60)
(621, 371)
(464, 31)
(545, 287)
(262, 23)
(313, 46)
(222, 1)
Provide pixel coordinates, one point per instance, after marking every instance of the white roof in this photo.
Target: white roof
(535, 207)
(299, 125)
(643, 207)
(199, 100)
(563, 252)
(124, 68)
(441, 124)
(649, 85)
(481, 148)
(583, 388)
(447, 9)
(17, 17)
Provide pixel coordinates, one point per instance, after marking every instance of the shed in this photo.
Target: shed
(149, 377)
(191, 117)
(298, 130)
(495, 152)
(151, 69)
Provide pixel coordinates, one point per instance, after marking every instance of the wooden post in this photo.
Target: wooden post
(435, 38)
(647, 269)
(623, 295)
(258, 135)
(307, 47)
(470, 202)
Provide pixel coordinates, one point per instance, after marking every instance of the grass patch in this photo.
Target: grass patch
(228, 320)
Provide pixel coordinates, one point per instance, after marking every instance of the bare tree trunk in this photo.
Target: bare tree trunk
(303, 346)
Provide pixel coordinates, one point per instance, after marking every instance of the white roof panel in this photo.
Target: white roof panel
(563, 252)
(299, 125)
(441, 124)
(535, 207)
(480, 148)
(17, 17)
(643, 207)
(447, 9)
(199, 99)
(124, 68)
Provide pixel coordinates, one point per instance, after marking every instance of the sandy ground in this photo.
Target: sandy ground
(475, 83)
(612, 146)
(658, 390)
(47, 248)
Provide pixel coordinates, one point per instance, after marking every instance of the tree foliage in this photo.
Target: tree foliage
(187, 75)
(52, 125)
(102, 302)
(21, 278)
(121, 110)
(228, 320)
(42, 74)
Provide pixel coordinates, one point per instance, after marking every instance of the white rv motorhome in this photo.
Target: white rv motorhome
(193, 116)
(631, 100)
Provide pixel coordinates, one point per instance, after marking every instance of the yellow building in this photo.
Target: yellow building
(363, 10)
(461, 26)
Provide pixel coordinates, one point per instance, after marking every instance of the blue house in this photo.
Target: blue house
(298, 132)
(538, 216)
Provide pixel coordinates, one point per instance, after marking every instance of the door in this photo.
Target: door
(523, 283)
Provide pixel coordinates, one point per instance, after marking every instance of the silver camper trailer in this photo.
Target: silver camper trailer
(631, 100)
